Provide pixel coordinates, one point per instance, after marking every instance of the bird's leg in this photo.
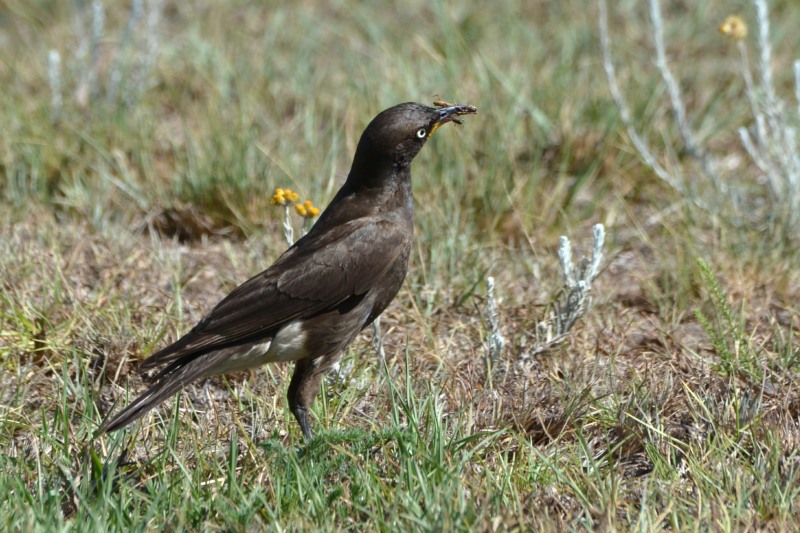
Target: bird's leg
(301, 414)
(303, 391)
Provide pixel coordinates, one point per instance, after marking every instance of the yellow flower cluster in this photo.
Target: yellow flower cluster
(284, 197)
(288, 197)
(306, 209)
(734, 27)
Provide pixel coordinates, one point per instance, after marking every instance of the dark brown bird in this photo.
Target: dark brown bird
(312, 302)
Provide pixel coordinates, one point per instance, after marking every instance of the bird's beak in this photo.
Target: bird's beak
(451, 114)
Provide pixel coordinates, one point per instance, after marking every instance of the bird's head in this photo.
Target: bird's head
(396, 135)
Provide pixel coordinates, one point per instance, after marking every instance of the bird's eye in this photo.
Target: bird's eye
(421, 133)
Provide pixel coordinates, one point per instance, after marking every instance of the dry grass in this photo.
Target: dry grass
(674, 403)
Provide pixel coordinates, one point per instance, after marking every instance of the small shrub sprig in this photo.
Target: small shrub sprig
(771, 142)
(671, 175)
(570, 303)
(288, 198)
(495, 341)
(738, 357)
(574, 298)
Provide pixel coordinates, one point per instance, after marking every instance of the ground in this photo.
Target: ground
(136, 173)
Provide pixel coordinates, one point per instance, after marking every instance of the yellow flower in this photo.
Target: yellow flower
(288, 197)
(306, 209)
(284, 197)
(278, 197)
(734, 27)
(291, 195)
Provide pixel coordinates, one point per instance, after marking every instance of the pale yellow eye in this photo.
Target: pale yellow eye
(421, 133)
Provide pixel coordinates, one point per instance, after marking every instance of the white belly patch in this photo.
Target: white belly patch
(287, 345)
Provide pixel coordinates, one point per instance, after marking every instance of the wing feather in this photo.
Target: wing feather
(317, 274)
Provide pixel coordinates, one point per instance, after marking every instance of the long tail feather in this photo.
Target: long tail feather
(169, 382)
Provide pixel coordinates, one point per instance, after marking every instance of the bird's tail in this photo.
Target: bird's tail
(168, 382)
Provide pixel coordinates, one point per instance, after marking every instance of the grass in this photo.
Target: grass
(130, 210)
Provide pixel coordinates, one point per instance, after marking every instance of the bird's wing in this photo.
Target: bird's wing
(315, 275)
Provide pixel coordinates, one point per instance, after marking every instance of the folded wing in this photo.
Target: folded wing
(306, 280)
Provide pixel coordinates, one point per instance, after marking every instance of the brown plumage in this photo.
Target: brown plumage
(312, 302)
